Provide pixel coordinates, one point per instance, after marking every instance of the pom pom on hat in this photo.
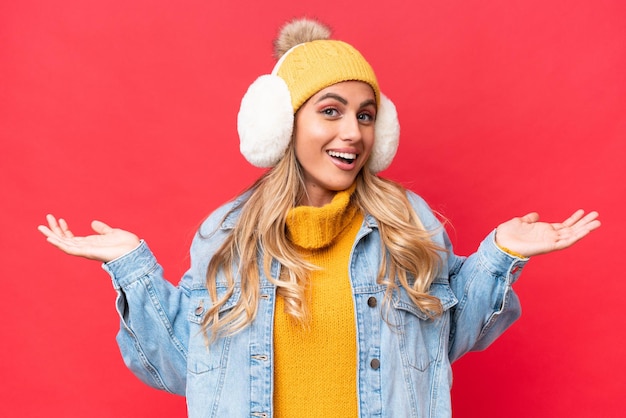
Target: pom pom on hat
(299, 31)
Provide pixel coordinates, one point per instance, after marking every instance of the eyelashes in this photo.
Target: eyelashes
(333, 112)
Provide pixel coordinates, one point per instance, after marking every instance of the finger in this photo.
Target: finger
(45, 230)
(569, 236)
(66, 231)
(53, 225)
(593, 225)
(589, 222)
(576, 216)
(590, 217)
(100, 227)
(530, 217)
(52, 237)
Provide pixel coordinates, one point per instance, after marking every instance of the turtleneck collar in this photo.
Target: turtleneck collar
(312, 228)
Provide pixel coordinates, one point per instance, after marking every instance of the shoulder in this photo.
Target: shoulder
(216, 227)
(224, 217)
(423, 211)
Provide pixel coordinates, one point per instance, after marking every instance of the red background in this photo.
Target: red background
(125, 111)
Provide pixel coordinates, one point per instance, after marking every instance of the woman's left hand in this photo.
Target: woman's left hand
(529, 237)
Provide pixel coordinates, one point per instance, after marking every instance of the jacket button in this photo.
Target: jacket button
(371, 302)
(375, 364)
(199, 310)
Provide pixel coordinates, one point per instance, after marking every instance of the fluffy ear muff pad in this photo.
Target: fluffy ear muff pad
(265, 121)
(387, 136)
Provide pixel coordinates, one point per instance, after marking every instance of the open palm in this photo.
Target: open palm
(106, 245)
(529, 237)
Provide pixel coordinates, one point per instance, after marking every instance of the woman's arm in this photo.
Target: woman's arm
(154, 333)
(482, 282)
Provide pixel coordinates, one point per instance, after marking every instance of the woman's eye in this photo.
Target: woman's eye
(330, 111)
(365, 117)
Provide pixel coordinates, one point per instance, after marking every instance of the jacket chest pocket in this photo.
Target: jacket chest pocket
(421, 339)
(203, 358)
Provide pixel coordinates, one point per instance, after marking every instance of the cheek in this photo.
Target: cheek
(368, 141)
(310, 138)
(313, 130)
(302, 147)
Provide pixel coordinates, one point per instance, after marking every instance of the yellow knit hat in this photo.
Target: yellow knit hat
(312, 66)
(308, 62)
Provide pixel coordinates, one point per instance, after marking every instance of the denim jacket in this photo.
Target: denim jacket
(403, 358)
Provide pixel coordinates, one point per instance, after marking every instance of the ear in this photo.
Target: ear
(387, 136)
(265, 121)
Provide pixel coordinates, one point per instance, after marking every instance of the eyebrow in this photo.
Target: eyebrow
(332, 96)
(344, 101)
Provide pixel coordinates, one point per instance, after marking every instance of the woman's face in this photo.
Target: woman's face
(334, 136)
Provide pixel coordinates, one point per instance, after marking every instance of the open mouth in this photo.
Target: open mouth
(345, 157)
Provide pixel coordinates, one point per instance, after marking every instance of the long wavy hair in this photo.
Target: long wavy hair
(408, 254)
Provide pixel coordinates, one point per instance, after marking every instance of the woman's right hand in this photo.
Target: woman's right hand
(108, 243)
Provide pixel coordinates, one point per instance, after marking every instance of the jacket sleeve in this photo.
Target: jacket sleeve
(154, 314)
(482, 283)
(487, 304)
(153, 332)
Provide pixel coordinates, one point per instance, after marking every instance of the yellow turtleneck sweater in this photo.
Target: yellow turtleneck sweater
(315, 365)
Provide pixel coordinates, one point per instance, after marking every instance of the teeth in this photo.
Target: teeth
(344, 155)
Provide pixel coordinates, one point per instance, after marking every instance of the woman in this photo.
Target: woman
(324, 290)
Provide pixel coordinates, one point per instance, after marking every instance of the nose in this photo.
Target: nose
(350, 128)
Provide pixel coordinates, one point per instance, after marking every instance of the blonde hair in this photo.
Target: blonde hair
(408, 253)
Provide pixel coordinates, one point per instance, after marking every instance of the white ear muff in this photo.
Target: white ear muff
(265, 121)
(387, 136)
